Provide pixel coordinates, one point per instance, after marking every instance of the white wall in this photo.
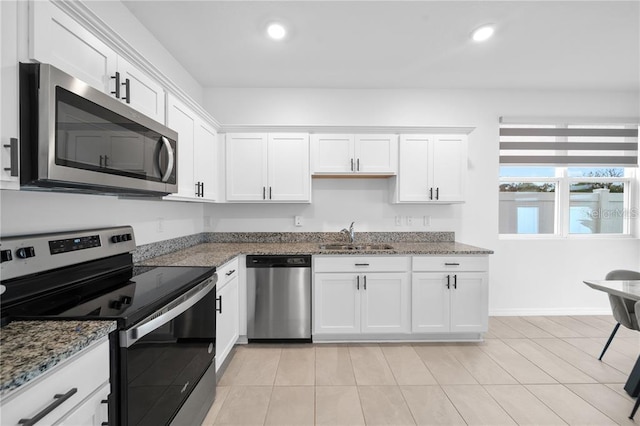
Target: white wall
(24, 212)
(527, 277)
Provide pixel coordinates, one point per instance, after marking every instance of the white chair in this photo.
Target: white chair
(623, 309)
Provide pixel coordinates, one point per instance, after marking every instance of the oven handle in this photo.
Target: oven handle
(154, 321)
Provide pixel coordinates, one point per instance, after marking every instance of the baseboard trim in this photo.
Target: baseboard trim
(548, 312)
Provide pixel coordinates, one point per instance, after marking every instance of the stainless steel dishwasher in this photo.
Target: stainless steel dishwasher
(279, 298)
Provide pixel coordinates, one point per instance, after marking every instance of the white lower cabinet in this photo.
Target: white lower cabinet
(452, 300)
(361, 295)
(362, 303)
(396, 297)
(80, 383)
(228, 315)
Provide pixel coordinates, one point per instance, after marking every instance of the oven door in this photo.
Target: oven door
(164, 357)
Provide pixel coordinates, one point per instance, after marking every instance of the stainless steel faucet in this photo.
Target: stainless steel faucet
(350, 232)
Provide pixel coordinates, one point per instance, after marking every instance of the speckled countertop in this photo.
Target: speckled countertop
(29, 348)
(216, 254)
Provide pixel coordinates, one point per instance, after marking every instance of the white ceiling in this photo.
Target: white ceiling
(402, 44)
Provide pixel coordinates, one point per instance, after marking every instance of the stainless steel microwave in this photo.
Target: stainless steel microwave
(76, 138)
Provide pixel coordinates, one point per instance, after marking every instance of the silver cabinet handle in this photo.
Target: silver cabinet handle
(352, 164)
(437, 193)
(431, 193)
(365, 282)
(129, 337)
(358, 165)
(269, 192)
(455, 281)
(451, 264)
(167, 146)
(357, 282)
(448, 281)
(59, 399)
(230, 272)
(362, 264)
(219, 299)
(13, 152)
(264, 192)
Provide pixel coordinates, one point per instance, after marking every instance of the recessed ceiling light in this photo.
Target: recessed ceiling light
(276, 31)
(483, 33)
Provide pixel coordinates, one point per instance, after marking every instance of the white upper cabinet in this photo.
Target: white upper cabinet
(9, 132)
(57, 39)
(432, 169)
(288, 167)
(352, 154)
(140, 91)
(196, 153)
(267, 167)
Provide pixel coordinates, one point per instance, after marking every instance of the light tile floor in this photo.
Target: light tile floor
(529, 370)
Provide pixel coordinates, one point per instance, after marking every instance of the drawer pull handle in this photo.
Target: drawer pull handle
(219, 310)
(58, 400)
(230, 272)
(451, 264)
(362, 264)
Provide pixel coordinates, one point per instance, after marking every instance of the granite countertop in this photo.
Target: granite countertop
(30, 348)
(217, 254)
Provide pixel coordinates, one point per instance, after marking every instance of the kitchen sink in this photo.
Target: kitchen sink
(355, 247)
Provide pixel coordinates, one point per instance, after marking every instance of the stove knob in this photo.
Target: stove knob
(125, 300)
(25, 252)
(115, 304)
(116, 239)
(5, 256)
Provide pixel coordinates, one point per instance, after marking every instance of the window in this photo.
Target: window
(567, 181)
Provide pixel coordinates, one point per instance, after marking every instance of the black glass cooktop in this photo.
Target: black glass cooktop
(143, 291)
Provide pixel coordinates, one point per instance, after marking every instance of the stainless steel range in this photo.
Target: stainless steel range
(163, 351)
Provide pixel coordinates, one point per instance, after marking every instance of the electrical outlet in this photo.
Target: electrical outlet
(160, 225)
(426, 220)
(398, 220)
(297, 220)
(409, 221)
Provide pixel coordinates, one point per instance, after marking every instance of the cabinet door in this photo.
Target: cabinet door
(469, 302)
(182, 120)
(246, 166)
(145, 94)
(414, 168)
(333, 153)
(205, 159)
(430, 308)
(59, 40)
(449, 167)
(288, 167)
(94, 411)
(336, 304)
(227, 321)
(386, 303)
(8, 93)
(376, 153)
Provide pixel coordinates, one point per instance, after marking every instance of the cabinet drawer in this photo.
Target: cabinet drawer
(450, 263)
(227, 272)
(360, 264)
(85, 372)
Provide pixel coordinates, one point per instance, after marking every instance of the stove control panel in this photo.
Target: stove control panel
(29, 254)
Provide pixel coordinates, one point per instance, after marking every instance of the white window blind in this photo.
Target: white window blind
(569, 145)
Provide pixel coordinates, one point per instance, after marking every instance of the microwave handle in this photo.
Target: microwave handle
(167, 145)
(129, 337)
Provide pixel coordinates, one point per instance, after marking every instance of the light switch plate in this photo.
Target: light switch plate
(297, 220)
